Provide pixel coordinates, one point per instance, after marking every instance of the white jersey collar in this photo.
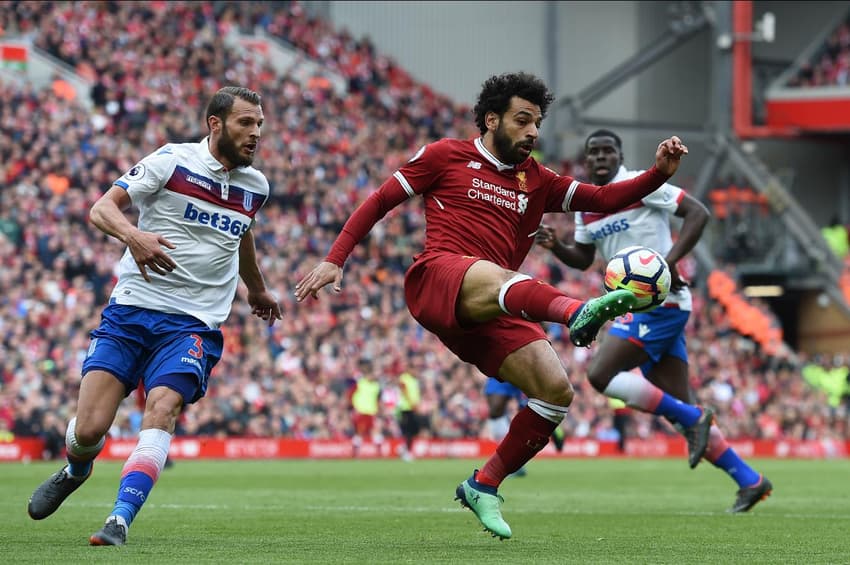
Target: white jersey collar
(207, 157)
(622, 174)
(479, 145)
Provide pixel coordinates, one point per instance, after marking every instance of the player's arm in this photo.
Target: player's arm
(694, 216)
(388, 196)
(616, 196)
(411, 179)
(107, 215)
(263, 303)
(571, 253)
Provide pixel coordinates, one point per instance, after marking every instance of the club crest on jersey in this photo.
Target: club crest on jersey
(521, 181)
(247, 200)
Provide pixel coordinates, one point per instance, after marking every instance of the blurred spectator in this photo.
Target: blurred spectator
(410, 422)
(365, 403)
(837, 237)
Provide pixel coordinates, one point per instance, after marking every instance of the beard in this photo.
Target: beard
(227, 148)
(508, 151)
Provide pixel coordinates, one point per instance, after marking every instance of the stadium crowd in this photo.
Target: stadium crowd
(830, 63)
(322, 153)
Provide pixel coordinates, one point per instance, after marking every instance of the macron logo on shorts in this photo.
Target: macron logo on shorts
(190, 361)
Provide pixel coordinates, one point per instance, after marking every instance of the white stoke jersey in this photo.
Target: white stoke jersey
(645, 223)
(185, 195)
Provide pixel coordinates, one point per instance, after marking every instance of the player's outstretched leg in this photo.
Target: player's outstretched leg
(586, 322)
(138, 478)
(113, 532)
(753, 487)
(693, 422)
(697, 436)
(47, 498)
(486, 503)
(750, 496)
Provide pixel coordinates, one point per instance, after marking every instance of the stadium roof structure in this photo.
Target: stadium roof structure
(730, 124)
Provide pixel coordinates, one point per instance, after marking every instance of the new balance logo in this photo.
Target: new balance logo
(643, 330)
(474, 165)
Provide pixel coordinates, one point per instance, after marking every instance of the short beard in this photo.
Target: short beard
(506, 149)
(228, 149)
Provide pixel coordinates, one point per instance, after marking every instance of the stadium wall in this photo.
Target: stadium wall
(26, 450)
(454, 46)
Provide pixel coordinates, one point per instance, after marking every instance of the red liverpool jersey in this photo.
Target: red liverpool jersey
(476, 205)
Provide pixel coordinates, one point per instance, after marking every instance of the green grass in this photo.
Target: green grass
(565, 511)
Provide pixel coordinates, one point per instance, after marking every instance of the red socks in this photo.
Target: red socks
(717, 444)
(535, 300)
(528, 434)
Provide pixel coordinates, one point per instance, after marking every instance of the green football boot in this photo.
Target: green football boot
(585, 323)
(486, 503)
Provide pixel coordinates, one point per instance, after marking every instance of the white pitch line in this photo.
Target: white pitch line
(450, 510)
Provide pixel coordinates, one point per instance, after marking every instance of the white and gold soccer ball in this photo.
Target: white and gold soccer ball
(641, 270)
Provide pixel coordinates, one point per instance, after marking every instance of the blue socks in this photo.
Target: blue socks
(132, 493)
(736, 468)
(79, 469)
(677, 411)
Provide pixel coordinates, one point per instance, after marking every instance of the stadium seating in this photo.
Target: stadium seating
(323, 154)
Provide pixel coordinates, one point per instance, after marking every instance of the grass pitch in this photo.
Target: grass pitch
(565, 511)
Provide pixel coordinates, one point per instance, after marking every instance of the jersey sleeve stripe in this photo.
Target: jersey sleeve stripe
(569, 196)
(404, 184)
(122, 184)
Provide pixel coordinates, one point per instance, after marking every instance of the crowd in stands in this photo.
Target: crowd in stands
(153, 67)
(830, 64)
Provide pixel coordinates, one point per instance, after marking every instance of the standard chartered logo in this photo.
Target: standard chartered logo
(498, 195)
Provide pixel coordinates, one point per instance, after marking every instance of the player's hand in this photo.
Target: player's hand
(669, 153)
(147, 249)
(323, 274)
(264, 305)
(677, 283)
(545, 237)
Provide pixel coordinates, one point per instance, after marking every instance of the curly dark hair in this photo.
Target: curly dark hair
(497, 91)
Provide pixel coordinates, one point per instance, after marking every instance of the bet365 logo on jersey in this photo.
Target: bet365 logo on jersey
(221, 222)
(616, 226)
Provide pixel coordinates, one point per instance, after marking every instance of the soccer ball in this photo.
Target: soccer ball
(641, 270)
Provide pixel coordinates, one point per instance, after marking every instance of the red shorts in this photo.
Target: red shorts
(363, 424)
(431, 287)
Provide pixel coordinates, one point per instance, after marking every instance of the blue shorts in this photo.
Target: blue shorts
(159, 349)
(495, 386)
(660, 332)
